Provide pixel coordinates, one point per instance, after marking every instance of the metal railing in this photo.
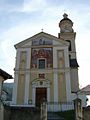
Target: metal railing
(60, 106)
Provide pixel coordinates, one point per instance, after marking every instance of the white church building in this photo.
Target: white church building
(46, 68)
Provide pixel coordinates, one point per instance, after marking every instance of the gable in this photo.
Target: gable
(41, 39)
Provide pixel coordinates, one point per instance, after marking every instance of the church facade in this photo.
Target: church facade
(46, 67)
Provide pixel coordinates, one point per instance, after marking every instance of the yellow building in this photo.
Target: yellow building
(46, 67)
(3, 76)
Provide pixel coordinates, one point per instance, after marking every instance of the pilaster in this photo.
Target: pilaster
(27, 81)
(14, 98)
(33, 95)
(48, 94)
(27, 77)
(17, 59)
(55, 87)
(67, 75)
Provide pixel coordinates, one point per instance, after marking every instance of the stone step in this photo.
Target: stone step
(54, 116)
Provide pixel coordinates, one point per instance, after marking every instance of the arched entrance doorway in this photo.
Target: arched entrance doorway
(40, 91)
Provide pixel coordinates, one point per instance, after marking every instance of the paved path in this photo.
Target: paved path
(54, 116)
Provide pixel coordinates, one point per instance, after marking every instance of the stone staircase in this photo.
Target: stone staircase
(54, 116)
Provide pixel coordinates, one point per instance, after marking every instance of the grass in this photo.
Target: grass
(68, 115)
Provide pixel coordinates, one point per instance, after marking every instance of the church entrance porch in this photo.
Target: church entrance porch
(41, 94)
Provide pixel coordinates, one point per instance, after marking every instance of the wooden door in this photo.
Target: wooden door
(41, 94)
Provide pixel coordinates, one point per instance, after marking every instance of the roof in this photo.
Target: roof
(5, 75)
(40, 35)
(65, 17)
(73, 63)
(86, 90)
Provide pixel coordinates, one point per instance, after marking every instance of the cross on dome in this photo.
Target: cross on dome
(42, 29)
(65, 15)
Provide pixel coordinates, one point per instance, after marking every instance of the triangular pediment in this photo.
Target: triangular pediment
(41, 38)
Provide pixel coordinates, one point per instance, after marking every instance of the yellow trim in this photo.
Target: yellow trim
(62, 88)
(21, 89)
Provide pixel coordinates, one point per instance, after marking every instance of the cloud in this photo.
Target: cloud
(33, 5)
(47, 16)
(17, 33)
(9, 8)
(25, 6)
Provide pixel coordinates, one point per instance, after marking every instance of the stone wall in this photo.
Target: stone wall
(7, 112)
(21, 113)
(86, 113)
(1, 111)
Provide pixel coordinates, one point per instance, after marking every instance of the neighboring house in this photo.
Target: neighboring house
(7, 91)
(46, 68)
(3, 76)
(85, 90)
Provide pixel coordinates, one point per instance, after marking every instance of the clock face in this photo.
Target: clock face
(66, 27)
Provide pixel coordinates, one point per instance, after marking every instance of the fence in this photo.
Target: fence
(60, 106)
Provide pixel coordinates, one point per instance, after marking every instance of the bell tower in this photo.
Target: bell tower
(66, 24)
(67, 33)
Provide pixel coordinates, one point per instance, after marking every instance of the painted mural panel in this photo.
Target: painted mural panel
(42, 58)
(61, 59)
(23, 56)
(42, 41)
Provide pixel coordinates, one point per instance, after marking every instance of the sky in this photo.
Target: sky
(21, 19)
